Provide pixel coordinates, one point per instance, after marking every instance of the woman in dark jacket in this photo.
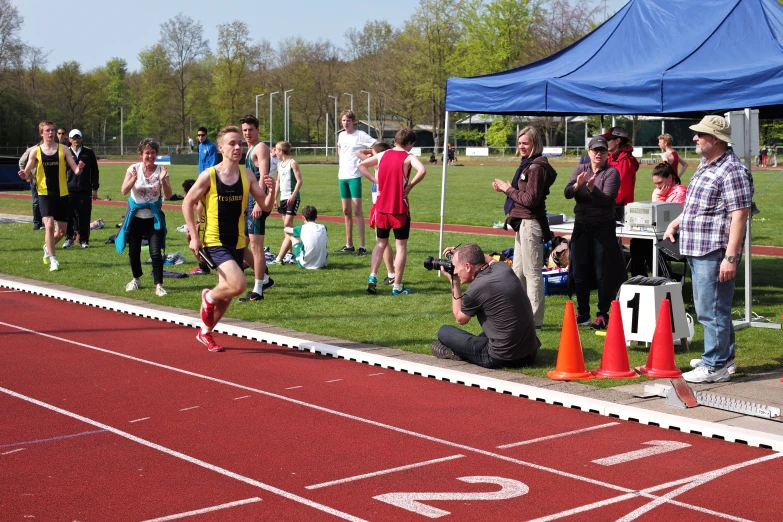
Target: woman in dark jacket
(595, 251)
(526, 210)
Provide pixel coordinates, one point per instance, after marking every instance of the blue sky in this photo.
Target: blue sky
(94, 31)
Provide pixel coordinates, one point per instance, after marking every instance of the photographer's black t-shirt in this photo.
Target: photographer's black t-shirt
(496, 297)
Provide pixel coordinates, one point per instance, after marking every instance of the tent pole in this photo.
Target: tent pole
(566, 136)
(443, 184)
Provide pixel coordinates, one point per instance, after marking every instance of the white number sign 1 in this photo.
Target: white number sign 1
(508, 489)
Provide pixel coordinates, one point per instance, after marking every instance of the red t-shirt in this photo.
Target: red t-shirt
(392, 178)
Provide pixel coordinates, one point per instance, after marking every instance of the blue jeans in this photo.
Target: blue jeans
(713, 308)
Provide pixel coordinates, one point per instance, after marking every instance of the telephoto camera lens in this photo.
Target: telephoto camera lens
(433, 263)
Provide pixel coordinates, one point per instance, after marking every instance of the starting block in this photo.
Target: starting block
(680, 395)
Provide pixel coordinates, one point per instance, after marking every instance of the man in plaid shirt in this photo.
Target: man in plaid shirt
(712, 236)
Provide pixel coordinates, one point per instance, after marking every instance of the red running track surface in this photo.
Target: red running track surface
(108, 416)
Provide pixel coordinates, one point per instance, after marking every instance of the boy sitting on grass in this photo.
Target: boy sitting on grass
(309, 241)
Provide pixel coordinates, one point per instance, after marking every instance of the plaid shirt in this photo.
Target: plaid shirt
(715, 191)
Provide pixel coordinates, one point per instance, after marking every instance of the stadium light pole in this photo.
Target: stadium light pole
(368, 110)
(351, 95)
(257, 97)
(286, 109)
(271, 95)
(335, 123)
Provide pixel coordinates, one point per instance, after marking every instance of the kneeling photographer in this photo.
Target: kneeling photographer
(494, 295)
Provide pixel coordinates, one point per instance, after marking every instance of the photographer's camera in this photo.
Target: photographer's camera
(434, 263)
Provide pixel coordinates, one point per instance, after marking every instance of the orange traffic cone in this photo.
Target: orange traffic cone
(660, 361)
(614, 361)
(570, 361)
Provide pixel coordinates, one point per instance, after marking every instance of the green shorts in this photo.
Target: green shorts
(351, 188)
(298, 251)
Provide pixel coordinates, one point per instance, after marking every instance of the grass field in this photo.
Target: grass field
(333, 301)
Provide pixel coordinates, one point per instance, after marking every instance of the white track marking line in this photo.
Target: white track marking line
(349, 416)
(384, 472)
(49, 439)
(8, 291)
(13, 451)
(374, 374)
(206, 510)
(335, 380)
(190, 408)
(698, 481)
(294, 387)
(564, 434)
(187, 458)
(242, 397)
(139, 420)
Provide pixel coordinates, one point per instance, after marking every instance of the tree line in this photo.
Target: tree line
(184, 82)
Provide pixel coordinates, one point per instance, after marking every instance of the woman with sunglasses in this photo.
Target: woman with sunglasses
(595, 253)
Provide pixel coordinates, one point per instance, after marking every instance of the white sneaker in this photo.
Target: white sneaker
(703, 374)
(46, 255)
(731, 366)
(159, 291)
(288, 259)
(133, 285)
(54, 266)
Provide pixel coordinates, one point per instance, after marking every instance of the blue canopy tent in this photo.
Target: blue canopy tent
(653, 57)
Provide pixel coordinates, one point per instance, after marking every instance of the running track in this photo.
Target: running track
(108, 416)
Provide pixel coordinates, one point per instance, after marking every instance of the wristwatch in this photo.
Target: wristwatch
(730, 259)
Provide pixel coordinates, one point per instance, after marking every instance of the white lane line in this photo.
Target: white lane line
(647, 493)
(558, 435)
(187, 458)
(190, 408)
(8, 291)
(352, 417)
(206, 510)
(139, 420)
(13, 451)
(334, 380)
(59, 437)
(383, 472)
(294, 387)
(698, 481)
(242, 397)
(658, 447)
(374, 374)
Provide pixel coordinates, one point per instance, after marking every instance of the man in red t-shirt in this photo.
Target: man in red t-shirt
(392, 209)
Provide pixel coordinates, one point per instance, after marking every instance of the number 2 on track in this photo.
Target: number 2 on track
(508, 489)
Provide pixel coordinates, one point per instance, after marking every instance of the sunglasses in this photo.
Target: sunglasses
(200, 135)
(60, 133)
(702, 134)
(600, 150)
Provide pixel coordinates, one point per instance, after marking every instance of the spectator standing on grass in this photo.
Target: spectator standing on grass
(388, 253)
(350, 141)
(621, 158)
(191, 144)
(145, 182)
(288, 186)
(207, 152)
(496, 297)
(595, 252)
(48, 165)
(309, 241)
(670, 156)
(223, 190)
(257, 161)
(526, 208)
(712, 236)
(393, 209)
(37, 220)
(82, 191)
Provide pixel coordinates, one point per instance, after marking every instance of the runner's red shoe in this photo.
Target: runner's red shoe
(207, 310)
(207, 340)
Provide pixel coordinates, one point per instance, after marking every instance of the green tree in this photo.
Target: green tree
(153, 114)
(499, 132)
(232, 94)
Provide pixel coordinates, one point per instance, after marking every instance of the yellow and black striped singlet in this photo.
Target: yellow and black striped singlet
(50, 170)
(224, 212)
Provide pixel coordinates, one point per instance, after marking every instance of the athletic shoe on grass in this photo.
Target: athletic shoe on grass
(583, 320)
(404, 291)
(198, 271)
(160, 291)
(251, 296)
(46, 256)
(207, 340)
(68, 243)
(269, 284)
(441, 351)
(704, 374)
(388, 281)
(600, 322)
(54, 266)
(86, 245)
(731, 366)
(372, 282)
(207, 310)
(344, 250)
(361, 252)
(133, 285)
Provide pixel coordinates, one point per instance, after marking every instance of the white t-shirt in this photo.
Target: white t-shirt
(349, 145)
(313, 253)
(145, 190)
